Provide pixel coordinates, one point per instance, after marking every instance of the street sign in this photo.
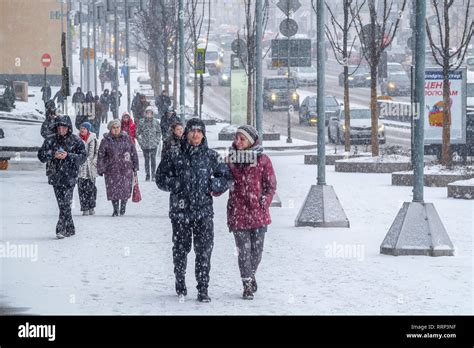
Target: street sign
(238, 46)
(200, 66)
(46, 60)
(300, 53)
(288, 6)
(288, 27)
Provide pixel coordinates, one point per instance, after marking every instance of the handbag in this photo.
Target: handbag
(136, 195)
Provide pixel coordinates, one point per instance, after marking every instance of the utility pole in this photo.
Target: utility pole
(81, 55)
(258, 69)
(321, 59)
(116, 83)
(288, 140)
(94, 14)
(127, 53)
(69, 42)
(182, 107)
(88, 74)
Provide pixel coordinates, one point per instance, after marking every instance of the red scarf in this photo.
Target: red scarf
(84, 137)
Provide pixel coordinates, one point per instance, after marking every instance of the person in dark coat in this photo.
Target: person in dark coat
(142, 106)
(118, 161)
(133, 107)
(174, 140)
(59, 99)
(65, 153)
(85, 110)
(149, 137)
(193, 173)
(105, 102)
(97, 119)
(167, 120)
(46, 90)
(163, 102)
(49, 124)
(115, 102)
(88, 171)
(79, 96)
(248, 208)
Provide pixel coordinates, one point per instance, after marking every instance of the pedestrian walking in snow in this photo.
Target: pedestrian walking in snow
(174, 140)
(88, 170)
(149, 137)
(118, 162)
(163, 102)
(141, 107)
(46, 92)
(97, 119)
(250, 196)
(115, 102)
(128, 126)
(49, 124)
(65, 153)
(192, 173)
(166, 121)
(105, 102)
(78, 96)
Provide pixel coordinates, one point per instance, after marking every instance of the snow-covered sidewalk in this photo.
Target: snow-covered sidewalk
(124, 265)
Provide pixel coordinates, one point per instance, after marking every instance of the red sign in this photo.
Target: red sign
(46, 60)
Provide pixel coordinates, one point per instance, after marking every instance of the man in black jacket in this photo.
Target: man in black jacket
(64, 152)
(167, 120)
(163, 102)
(193, 173)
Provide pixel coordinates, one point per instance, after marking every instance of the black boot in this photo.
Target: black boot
(181, 287)
(248, 293)
(202, 296)
(123, 205)
(115, 204)
(254, 284)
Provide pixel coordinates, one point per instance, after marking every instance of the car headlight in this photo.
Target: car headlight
(218, 63)
(381, 128)
(225, 77)
(350, 78)
(343, 127)
(368, 78)
(274, 96)
(295, 96)
(391, 85)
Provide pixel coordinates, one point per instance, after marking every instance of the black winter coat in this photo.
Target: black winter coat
(192, 174)
(166, 122)
(48, 127)
(63, 172)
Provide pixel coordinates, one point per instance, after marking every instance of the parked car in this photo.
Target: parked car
(224, 77)
(226, 41)
(360, 130)
(144, 79)
(308, 114)
(395, 68)
(206, 77)
(275, 92)
(396, 84)
(305, 76)
(359, 76)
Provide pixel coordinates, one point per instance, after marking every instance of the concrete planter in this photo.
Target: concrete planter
(352, 166)
(460, 190)
(266, 136)
(429, 180)
(330, 159)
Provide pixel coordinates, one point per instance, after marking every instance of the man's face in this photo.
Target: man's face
(62, 130)
(195, 137)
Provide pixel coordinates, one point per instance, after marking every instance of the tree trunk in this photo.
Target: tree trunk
(249, 99)
(373, 110)
(175, 75)
(446, 158)
(166, 71)
(196, 94)
(347, 113)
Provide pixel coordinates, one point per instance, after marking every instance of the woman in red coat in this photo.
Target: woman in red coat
(248, 208)
(128, 126)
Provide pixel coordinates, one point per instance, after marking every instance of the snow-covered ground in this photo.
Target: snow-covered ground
(124, 265)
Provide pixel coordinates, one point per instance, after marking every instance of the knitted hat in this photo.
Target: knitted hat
(249, 132)
(112, 123)
(195, 123)
(87, 125)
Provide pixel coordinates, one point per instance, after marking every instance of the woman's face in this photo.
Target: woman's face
(116, 129)
(241, 142)
(178, 131)
(83, 131)
(125, 118)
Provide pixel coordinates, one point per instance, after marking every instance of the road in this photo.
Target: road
(217, 98)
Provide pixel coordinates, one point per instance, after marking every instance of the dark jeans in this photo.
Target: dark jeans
(250, 247)
(87, 193)
(150, 154)
(202, 231)
(65, 224)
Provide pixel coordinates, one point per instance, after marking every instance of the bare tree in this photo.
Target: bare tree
(169, 25)
(248, 59)
(375, 37)
(342, 52)
(448, 59)
(145, 32)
